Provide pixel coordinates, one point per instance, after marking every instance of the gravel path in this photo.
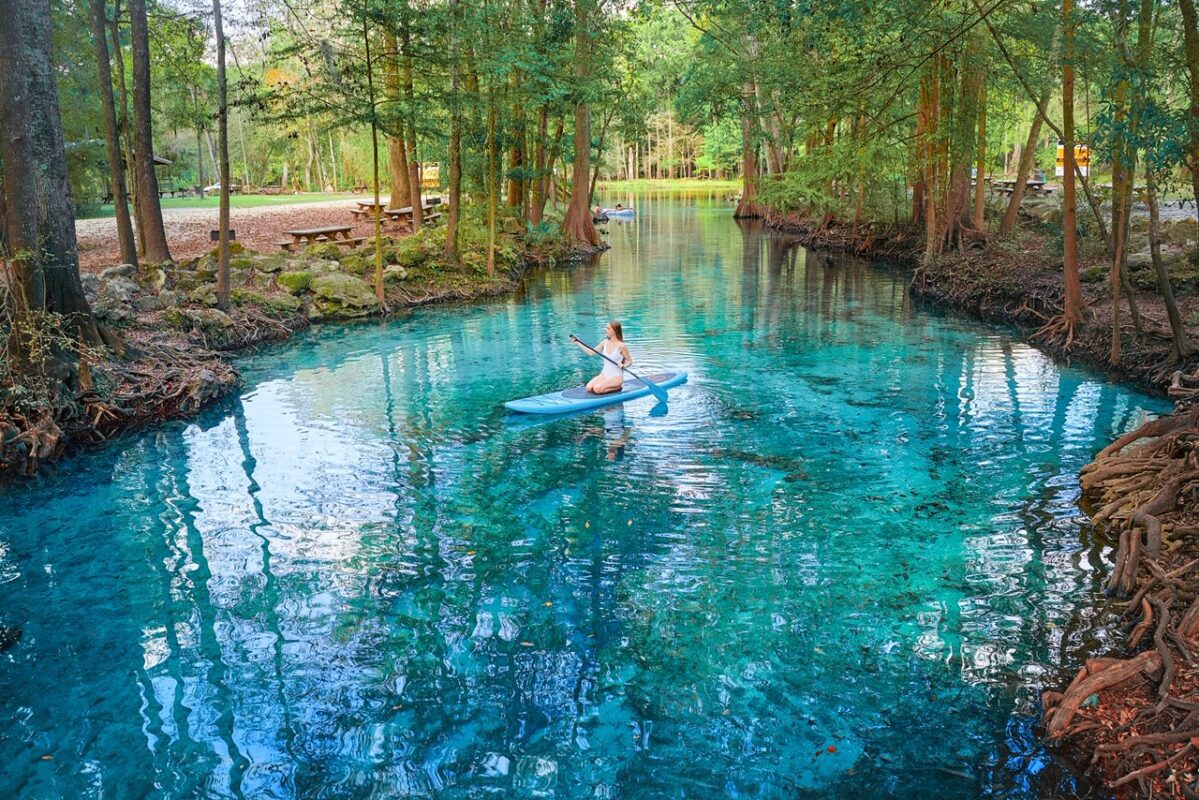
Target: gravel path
(187, 229)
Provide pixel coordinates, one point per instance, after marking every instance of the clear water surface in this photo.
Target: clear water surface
(842, 564)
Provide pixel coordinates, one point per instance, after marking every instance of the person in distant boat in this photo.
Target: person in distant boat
(619, 207)
(613, 346)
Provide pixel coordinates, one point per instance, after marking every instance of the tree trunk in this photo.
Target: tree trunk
(1182, 348)
(120, 196)
(397, 151)
(547, 184)
(980, 189)
(118, 60)
(492, 182)
(932, 161)
(537, 190)
(40, 216)
(516, 154)
(380, 295)
(1023, 171)
(455, 154)
(1190, 30)
(599, 157)
(199, 141)
(577, 224)
(414, 177)
(222, 271)
(748, 207)
(918, 188)
(1072, 305)
(150, 210)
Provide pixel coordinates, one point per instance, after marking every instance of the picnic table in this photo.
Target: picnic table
(367, 209)
(1006, 186)
(405, 213)
(337, 234)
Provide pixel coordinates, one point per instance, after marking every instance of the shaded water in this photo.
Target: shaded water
(839, 566)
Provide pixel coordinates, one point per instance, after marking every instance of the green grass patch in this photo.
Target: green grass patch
(673, 185)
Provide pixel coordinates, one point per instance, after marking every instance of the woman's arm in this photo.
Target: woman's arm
(627, 360)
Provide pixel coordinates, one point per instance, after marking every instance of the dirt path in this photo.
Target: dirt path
(187, 229)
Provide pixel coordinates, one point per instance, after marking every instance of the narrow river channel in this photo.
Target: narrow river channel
(842, 564)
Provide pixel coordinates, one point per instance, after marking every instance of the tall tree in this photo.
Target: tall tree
(455, 154)
(1072, 310)
(578, 225)
(40, 210)
(116, 166)
(149, 208)
(222, 274)
(1190, 31)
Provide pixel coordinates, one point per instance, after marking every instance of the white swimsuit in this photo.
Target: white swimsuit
(610, 369)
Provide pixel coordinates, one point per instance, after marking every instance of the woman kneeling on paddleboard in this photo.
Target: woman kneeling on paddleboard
(613, 346)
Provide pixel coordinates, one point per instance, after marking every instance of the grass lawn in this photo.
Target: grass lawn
(680, 185)
(240, 201)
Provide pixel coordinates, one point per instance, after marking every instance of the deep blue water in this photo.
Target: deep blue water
(842, 564)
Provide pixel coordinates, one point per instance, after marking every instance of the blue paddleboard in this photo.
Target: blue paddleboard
(579, 398)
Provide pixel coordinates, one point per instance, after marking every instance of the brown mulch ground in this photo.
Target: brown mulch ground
(188, 229)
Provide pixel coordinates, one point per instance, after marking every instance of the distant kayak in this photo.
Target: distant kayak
(621, 213)
(579, 398)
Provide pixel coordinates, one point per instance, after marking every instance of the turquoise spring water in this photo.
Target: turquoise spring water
(841, 565)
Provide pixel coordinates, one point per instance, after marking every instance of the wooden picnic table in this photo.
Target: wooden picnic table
(405, 213)
(337, 234)
(367, 209)
(1007, 186)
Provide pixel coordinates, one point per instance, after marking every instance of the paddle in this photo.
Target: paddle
(654, 388)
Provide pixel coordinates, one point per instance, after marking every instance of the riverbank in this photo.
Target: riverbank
(175, 348)
(1129, 719)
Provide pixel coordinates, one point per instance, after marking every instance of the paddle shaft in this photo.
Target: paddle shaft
(657, 390)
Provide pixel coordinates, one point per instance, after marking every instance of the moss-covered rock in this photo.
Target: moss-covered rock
(342, 296)
(271, 263)
(274, 304)
(1094, 274)
(207, 320)
(242, 262)
(395, 273)
(324, 250)
(354, 264)
(204, 294)
(295, 281)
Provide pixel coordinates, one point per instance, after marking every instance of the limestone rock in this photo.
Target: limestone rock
(119, 271)
(343, 296)
(204, 295)
(112, 307)
(148, 302)
(276, 304)
(208, 320)
(296, 282)
(152, 279)
(1139, 261)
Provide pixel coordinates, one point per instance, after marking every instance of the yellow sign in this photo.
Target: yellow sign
(430, 175)
(1082, 157)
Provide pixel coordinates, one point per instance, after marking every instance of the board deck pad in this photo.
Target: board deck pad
(579, 398)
